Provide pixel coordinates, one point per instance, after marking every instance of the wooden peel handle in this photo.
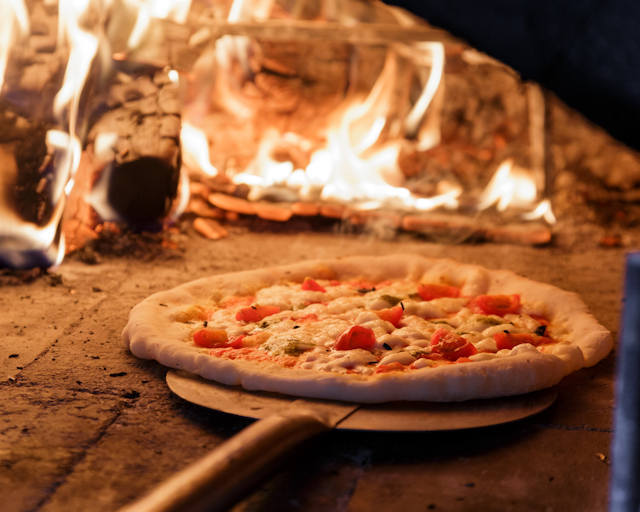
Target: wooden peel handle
(218, 479)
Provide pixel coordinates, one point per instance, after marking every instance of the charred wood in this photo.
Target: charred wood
(133, 159)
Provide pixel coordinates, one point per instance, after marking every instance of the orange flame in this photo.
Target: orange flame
(63, 144)
(513, 186)
(195, 150)
(509, 186)
(542, 211)
(355, 164)
(147, 10)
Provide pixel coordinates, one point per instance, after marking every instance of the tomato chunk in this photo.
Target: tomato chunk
(393, 315)
(495, 304)
(311, 284)
(451, 345)
(236, 342)
(356, 337)
(437, 291)
(507, 340)
(256, 313)
(210, 338)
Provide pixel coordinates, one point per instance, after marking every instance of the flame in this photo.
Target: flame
(147, 10)
(13, 14)
(542, 211)
(509, 186)
(340, 171)
(83, 47)
(513, 186)
(195, 149)
(25, 243)
(434, 55)
(184, 194)
(355, 164)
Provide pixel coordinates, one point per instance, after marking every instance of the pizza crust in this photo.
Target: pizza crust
(152, 333)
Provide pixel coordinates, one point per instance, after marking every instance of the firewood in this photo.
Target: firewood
(233, 204)
(305, 209)
(26, 177)
(33, 76)
(462, 227)
(334, 210)
(201, 208)
(271, 211)
(385, 218)
(135, 140)
(209, 228)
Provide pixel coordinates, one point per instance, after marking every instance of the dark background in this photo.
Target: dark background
(586, 51)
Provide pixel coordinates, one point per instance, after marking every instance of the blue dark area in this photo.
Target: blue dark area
(586, 51)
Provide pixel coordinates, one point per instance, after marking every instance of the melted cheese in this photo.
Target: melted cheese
(310, 322)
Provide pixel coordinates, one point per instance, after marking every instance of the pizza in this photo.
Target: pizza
(371, 329)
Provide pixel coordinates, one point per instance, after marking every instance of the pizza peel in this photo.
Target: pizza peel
(221, 477)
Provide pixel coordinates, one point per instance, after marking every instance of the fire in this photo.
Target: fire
(195, 149)
(430, 54)
(359, 160)
(353, 159)
(513, 186)
(19, 237)
(147, 10)
(510, 186)
(542, 211)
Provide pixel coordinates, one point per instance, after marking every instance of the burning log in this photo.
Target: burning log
(132, 165)
(23, 157)
(209, 228)
(384, 222)
(31, 195)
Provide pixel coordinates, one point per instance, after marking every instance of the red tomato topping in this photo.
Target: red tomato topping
(507, 340)
(443, 336)
(363, 285)
(236, 342)
(210, 338)
(495, 304)
(451, 345)
(436, 291)
(256, 313)
(356, 337)
(391, 367)
(334, 282)
(393, 315)
(310, 284)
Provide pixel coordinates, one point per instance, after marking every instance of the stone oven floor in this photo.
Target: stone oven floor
(86, 426)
